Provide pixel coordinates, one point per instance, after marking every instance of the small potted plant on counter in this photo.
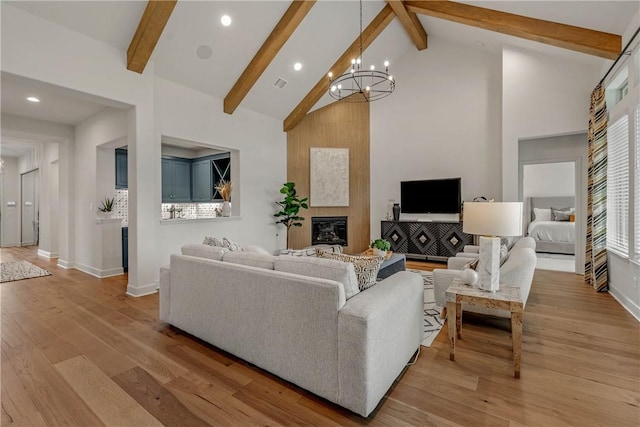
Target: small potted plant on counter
(380, 247)
(224, 190)
(106, 208)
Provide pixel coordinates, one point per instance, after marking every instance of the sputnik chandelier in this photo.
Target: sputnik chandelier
(362, 85)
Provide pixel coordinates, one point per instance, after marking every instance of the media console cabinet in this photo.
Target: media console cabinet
(433, 240)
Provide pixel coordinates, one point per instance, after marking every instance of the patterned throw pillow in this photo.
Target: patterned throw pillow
(232, 246)
(563, 214)
(472, 264)
(299, 252)
(504, 254)
(212, 241)
(366, 267)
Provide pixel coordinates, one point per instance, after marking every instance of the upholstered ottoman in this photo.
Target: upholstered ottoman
(395, 263)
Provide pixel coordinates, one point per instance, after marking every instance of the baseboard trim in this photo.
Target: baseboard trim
(100, 274)
(626, 303)
(65, 264)
(140, 291)
(46, 254)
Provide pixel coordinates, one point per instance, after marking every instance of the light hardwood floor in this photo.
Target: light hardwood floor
(77, 351)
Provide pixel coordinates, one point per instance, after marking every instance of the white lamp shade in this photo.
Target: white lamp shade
(493, 218)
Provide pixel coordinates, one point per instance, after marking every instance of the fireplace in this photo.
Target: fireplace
(330, 230)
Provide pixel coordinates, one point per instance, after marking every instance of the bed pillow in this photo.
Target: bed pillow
(563, 214)
(542, 214)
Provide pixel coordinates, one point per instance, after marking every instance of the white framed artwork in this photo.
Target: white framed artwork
(329, 183)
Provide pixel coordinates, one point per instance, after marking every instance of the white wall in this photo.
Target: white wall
(443, 120)
(49, 225)
(549, 179)
(91, 186)
(261, 144)
(542, 96)
(10, 195)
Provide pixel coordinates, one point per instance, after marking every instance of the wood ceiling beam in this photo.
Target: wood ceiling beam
(411, 24)
(579, 39)
(155, 17)
(270, 48)
(369, 34)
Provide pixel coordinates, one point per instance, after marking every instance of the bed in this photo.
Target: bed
(551, 236)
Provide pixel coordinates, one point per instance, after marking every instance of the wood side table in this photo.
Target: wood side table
(506, 298)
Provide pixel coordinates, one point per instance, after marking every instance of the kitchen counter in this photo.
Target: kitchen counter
(188, 220)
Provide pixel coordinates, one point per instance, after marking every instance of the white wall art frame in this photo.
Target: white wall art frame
(329, 183)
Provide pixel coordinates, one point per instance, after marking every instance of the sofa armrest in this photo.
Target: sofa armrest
(458, 262)
(379, 330)
(471, 249)
(442, 279)
(165, 293)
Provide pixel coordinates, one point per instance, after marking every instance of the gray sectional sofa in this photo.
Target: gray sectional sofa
(289, 315)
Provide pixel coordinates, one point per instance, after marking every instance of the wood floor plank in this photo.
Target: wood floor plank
(17, 407)
(104, 397)
(156, 399)
(56, 401)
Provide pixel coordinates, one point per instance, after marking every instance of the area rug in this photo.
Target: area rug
(432, 321)
(556, 262)
(19, 270)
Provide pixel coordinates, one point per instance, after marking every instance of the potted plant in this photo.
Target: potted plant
(106, 207)
(224, 189)
(380, 247)
(290, 208)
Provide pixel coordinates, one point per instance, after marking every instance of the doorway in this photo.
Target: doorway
(29, 208)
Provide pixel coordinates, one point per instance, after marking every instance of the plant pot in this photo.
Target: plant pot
(379, 252)
(226, 209)
(106, 215)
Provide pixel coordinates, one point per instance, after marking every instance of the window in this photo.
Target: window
(637, 186)
(618, 186)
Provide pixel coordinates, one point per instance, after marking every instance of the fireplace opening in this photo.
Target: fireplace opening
(331, 230)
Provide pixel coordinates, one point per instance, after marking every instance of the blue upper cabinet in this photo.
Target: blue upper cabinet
(121, 169)
(221, 169)
(176, 180)
(201, 182)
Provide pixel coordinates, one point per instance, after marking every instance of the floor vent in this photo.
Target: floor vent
(280, 83)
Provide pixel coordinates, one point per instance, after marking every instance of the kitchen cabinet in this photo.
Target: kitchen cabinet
(121, 169)
(176, 180)
(221, 170)
(201, 181)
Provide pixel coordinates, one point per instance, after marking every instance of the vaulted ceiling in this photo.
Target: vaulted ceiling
(196, 50)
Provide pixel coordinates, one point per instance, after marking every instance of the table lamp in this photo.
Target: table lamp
(491, 219)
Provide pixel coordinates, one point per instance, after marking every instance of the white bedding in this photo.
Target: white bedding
(553, 231)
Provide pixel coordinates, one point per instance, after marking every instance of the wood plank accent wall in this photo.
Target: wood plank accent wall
(338, 125)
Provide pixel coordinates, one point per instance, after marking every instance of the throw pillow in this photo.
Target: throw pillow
(311, 251)
(509, 241)
(473, 264)
(232, 246)
(542, 214)
(366, 267)
(504, 254)
(561, 214)
(212, 241)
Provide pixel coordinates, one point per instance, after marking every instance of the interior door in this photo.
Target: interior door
(29, 208)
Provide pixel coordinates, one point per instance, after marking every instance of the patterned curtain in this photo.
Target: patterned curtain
(595, 268)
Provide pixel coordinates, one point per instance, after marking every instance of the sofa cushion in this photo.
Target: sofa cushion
(321, 268)
(256, 249)
(249, 258)
(204, 251)
(366, 267)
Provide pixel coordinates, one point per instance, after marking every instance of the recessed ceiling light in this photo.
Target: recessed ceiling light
(33, 99)
(204, 51)
(297, 66)
(225, 20)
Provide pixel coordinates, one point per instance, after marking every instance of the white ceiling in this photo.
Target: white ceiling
(322, 37)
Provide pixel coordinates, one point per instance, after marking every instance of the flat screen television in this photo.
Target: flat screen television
(431, 196)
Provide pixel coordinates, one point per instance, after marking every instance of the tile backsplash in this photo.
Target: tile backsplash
(189, 210)
(121, 204)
